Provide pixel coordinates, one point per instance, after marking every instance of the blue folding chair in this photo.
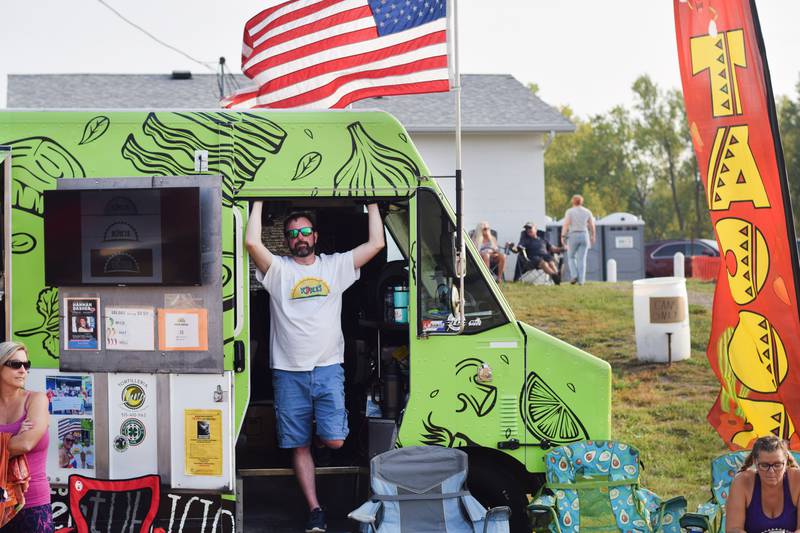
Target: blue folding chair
(420, 489)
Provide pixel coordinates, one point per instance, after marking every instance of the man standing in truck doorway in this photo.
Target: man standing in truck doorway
(306, 340)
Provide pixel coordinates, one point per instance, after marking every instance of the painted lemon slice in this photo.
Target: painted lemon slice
(546, 415)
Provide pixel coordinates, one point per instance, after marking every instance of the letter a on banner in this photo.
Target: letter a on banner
(754, 348)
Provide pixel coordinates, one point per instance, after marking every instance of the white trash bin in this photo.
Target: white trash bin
(661, 307)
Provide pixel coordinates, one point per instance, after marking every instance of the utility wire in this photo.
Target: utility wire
(156, 39)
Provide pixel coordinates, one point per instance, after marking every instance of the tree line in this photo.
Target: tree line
(638, 158)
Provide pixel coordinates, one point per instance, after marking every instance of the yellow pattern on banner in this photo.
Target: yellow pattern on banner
(720, 54)
(733, 175)
(203, 442)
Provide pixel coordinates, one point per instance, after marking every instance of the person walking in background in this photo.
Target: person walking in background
(578, 235)
(25, 415)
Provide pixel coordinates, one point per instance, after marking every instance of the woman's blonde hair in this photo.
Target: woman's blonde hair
(477, 236)
(768, 444)
(8, 349)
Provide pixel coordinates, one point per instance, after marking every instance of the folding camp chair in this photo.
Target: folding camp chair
(710, 516)
(533, 274)
(595, 487)
(142, 497)
(421, 489)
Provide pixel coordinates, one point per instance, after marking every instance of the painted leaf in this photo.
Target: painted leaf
(50, 344)
(94, 129)
(22, 243)
(307, 165)
(309, 133)
(47, 307)
(47, 304)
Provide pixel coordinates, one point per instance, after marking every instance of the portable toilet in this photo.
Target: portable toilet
(595, 266)
(623, 241)
(552, 232)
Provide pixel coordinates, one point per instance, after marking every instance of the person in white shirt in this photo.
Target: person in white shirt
(306, 340)
(578, 235)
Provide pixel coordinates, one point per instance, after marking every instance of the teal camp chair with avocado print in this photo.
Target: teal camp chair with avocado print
(710, 516)
(594, 486)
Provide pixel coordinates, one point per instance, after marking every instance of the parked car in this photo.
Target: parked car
(659, 255)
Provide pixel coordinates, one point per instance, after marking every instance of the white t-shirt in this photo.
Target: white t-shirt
(305, 308)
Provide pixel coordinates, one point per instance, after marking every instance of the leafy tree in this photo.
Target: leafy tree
(662, 134)
(594, 162)
(789, 122)
(616, 161)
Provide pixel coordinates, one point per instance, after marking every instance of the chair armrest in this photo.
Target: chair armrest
(496, 519)
(697, 521)
(670, 513)
(540, 516)
(367, 513)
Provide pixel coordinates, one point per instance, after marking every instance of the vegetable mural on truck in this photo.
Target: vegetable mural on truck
(754, 347)
(348, 160)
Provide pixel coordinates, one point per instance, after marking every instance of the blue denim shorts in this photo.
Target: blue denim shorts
(302, 397)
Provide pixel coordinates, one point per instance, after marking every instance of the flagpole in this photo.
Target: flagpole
(461, 263)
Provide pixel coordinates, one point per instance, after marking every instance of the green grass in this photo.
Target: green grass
(659, 409)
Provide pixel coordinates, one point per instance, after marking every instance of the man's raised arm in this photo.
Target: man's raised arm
(363, 253)
(252, 240)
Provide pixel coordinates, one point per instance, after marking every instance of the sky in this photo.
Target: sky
(581, 53)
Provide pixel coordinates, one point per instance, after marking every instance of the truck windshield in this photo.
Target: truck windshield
(435, 276)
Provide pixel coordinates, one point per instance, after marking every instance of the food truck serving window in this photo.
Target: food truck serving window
(436, 276)
(122, 236)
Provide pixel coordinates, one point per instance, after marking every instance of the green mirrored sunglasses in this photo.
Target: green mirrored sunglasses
(293, 233)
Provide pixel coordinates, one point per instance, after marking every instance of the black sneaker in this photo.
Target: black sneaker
(316, 521)
(556, 278)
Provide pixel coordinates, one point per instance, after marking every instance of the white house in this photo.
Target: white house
(505, 130)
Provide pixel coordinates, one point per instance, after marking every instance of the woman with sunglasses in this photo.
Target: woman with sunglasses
(486, 243)
(25, 415)
(764, 494)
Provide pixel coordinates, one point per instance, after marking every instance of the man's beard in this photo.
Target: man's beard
(302, 249)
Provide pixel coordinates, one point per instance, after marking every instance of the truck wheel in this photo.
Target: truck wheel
(494, 484)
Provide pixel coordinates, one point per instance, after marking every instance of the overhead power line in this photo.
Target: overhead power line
(156, 39)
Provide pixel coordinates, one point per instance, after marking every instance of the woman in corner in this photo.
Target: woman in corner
(25, 415)
(764, 494)
(486, 243)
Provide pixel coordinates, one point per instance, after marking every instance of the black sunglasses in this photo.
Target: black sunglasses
(16, 364)
(293, 233)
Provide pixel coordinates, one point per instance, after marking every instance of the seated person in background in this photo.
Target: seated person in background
(486, 243)
(538, 253)
(765, 493)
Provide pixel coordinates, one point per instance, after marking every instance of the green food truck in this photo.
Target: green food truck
(126, 276)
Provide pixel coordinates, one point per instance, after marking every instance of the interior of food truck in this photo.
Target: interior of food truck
(376, 345)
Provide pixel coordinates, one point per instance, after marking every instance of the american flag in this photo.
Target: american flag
(330, 53)
(69, 425)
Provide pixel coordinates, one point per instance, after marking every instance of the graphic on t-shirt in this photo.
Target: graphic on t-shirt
(309, 288)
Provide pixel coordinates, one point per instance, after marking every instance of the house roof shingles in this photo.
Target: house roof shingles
(489, 102)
